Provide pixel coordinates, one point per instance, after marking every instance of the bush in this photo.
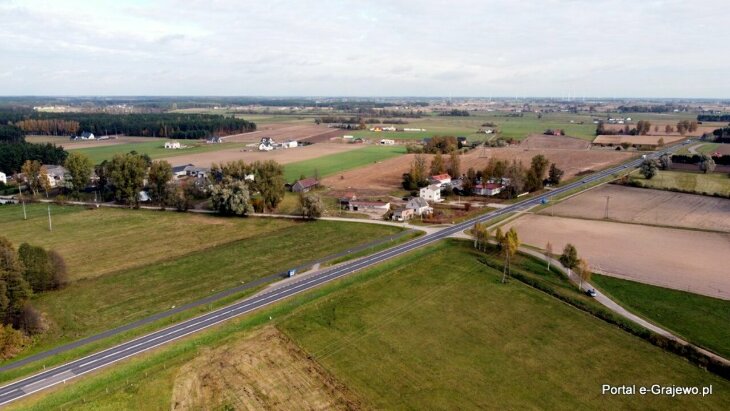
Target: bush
(12, 342)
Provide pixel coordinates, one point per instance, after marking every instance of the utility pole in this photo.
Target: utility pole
(22, 200)
(605, 216)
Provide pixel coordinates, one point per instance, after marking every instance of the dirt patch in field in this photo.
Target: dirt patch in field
(75, 144)
(265, 370)
(281, 132)
(649, 139)
(282, 156)
(687, 260)
(661, 131)
(539, 141)
(646, 206)
(386, 176)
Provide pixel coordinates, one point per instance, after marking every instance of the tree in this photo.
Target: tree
(668, 129)
(625, 145)
(127, 173)
(499, 238)
(660, 142)
(569, 258)
(79, 168)
(237, 170)
(510, 244)
(548, 254)
(481, 236)
(648, 168)
(583, 271)
(160, 174)
(454, 164)
(38, 271)
(32, 172)
(60, 272)
(643, 127)
(665, 161)
(707, 164)
(539, 165)
(555, 174)
(437, 165)
(231, 197)
(269, 182)
(14, 288)
(311, 205)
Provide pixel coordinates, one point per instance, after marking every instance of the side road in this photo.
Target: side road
(609, 303)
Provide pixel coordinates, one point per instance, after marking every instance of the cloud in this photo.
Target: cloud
(401, 47)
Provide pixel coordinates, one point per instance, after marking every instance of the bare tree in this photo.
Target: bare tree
(549, 254)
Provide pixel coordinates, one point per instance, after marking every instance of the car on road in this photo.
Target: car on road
(291, 273)
(591, 292)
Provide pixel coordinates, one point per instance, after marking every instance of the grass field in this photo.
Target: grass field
(335, 163)
(140, 262)
(434, 329)
(155, 149)
(688, 182)
(701, 320)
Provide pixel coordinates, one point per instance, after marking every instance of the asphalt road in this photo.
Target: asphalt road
(65, 372)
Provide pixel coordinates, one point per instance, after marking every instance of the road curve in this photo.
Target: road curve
(73, 369)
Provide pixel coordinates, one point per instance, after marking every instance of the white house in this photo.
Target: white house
(172, 144)
(402, 214)
(3, 178)
(181, 171)
(86, 135)
(488, 189)
(431, 193)
(266, 144)
(440, 179)
(419, 206)
(387, 142)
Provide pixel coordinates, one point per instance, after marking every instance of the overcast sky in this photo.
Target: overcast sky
(563, 48)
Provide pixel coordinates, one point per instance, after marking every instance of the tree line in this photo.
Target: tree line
(643, 127)
(14, 151)
(713, 117)
(167, 125)
(23, 272)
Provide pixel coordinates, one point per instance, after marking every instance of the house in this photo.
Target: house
(431, 193)
(86, 135)
(214, 140)
(369, 206)
(419, 206)
(172, 145)
(440, 179)
(302, 186)
(193, 171)
(180, 171)
(488, 189)
(387, 142)
(346, 199)
(266, 144)
(56, 175)
(403, 214)
(3, 178)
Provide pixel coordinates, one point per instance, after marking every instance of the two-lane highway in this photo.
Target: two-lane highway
(61, 374)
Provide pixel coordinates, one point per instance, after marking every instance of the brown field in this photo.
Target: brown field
(282, 156)
(688, 260)
(538, 141)
(286, 131)
(649, 139)
(722, 149)
(645, 206)
(386, 176)
(265, 370)
(70, 145)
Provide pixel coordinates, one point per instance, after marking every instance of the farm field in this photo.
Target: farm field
(281, 132)
(685, 181)
(711, 148)
(542, 141)
(154, 282)
(699, 319)
(639, 140)
(282, 156)
(645, 206)
(384, 177)
(426, 331)
(74, 144)
(336, 163)
(155, 149)
(687, 260)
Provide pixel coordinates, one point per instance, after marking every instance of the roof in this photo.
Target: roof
(420, 202)
(369, 203)
(488, 186)
(307, 182)
(179, 169)
(441, 177)
(432, 187)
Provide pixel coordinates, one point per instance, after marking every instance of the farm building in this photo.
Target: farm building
(403, 214)
(431, 193)
(289, 144)
(302, 186)
(86, 135)
(387, 142)
(180, 171)
(56, 175)
(266, 144)
(172, 145)
(419, 206)
(214, 140)
(440, 179)
(3, 178)
(346, 199)
(488, 189)
(369, 206)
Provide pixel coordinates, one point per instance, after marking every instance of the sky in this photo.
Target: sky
(481, 48)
